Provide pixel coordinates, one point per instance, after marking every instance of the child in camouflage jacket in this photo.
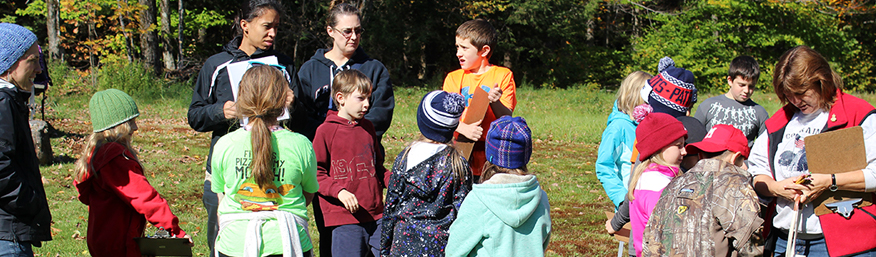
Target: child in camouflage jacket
(712, 210)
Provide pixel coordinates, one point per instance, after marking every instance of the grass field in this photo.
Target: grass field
(567, 125)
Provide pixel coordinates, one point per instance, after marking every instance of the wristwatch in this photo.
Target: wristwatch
(833, 186)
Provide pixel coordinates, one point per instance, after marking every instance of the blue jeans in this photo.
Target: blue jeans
(356, 239)
(211, 203)
(15, 249)
(810, 248)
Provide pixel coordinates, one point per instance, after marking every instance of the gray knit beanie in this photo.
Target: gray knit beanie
(14, 41)
(111, 107)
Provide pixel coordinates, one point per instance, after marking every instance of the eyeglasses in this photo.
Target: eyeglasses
(279, 67)
(348, 32)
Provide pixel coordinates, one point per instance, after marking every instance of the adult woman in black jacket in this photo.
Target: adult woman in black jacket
(316, 75)
(24, 210)
(212, 108)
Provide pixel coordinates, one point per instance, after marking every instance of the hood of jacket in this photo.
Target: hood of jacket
(332, 117)
(233, 48)
(21, 93)
(512, 198)
(617, 115)
(101, 156)
(429, 180)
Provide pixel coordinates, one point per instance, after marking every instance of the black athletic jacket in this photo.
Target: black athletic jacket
(24, 210)
(213, 89)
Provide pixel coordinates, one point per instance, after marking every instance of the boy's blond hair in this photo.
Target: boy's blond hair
(628, 96)
(348, 81)
(480, 33)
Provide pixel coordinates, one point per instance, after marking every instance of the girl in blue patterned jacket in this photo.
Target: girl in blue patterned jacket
(429, 180)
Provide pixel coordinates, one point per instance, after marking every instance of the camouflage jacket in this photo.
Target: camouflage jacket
(711, 210)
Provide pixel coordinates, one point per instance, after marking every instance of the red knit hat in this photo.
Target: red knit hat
(721, 137)
(656, 131)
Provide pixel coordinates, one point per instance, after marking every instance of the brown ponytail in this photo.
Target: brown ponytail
(262, 98)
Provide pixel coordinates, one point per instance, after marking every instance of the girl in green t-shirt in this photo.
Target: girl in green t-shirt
(264, 174)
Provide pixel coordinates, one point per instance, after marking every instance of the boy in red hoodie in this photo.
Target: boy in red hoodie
(350, 170)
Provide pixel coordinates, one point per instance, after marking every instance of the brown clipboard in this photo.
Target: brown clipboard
(473, 113)
(623, 234)
(837, 152)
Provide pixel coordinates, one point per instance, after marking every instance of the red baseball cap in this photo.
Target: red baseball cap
(721, 137)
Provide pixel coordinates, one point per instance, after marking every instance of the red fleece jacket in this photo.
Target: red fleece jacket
(120, 201)
(347, 157)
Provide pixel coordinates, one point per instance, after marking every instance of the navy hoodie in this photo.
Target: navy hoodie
(314, 91)
(209, 97)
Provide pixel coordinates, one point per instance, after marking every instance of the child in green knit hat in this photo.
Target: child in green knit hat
(111, 181)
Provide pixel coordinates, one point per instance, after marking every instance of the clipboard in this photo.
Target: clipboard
(235, 75)
(623, 234)
(837, 152)
(475, 112)
(164, 246)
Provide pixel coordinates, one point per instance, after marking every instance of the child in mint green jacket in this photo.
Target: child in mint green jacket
(508, 213)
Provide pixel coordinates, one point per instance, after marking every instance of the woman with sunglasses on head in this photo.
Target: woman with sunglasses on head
(316, 75)
(213, 104)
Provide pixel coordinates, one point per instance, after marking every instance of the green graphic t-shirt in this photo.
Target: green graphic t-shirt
(294, 166)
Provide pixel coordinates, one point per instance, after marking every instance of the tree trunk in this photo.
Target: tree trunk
(128, 51)
(92, 58)
(181, 23)
(53, 28)
(149, 38)
(166, 34)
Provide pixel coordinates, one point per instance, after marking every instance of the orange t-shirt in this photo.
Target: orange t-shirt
(464, 82)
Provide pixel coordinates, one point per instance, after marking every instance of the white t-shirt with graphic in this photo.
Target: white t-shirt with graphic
(790, 161)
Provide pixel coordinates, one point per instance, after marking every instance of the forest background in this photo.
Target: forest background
(568, 57)
(547, 43)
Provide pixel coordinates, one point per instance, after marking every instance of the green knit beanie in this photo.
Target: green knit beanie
(111, 107)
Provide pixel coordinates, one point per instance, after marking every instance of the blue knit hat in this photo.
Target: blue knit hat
(14, 42)
(672, 90)
(438, 115)
(509, 142)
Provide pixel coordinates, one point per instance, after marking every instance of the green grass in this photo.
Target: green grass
(566, 123)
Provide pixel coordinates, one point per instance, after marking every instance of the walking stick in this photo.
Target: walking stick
(792, 234)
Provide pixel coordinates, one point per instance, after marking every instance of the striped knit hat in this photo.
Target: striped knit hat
(438, 115)
(110, 108)
(672, 90)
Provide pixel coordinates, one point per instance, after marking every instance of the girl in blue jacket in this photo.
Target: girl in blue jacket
(615, 151)
(508, 214)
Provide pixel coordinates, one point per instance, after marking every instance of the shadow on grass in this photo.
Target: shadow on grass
(72, 140)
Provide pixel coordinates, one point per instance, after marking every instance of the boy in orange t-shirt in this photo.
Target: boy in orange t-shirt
(474, 42)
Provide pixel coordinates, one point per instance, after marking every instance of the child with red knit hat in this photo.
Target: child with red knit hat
(661, 149)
